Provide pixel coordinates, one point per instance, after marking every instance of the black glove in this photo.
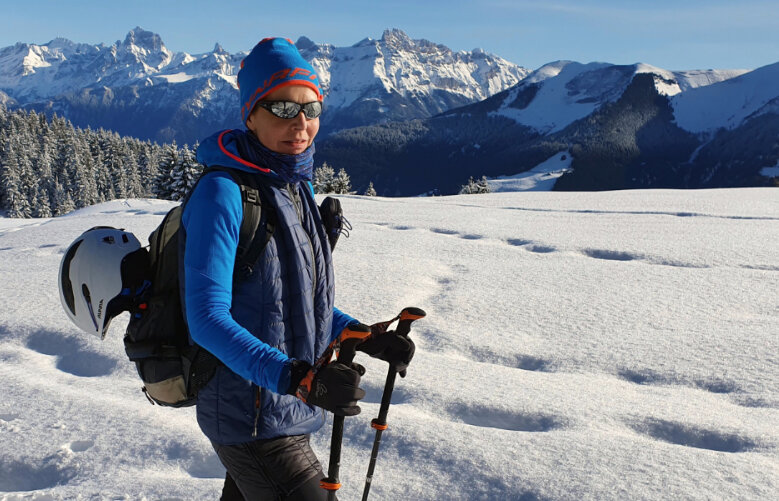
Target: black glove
(391, 347)
(334, 387)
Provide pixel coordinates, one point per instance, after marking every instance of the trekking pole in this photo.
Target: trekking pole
(406, 316)
(346, 347)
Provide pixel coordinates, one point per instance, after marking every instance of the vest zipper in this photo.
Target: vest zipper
(256, 412)
(293, 193)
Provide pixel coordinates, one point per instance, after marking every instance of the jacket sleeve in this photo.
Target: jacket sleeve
(212, 220)
(340, 321)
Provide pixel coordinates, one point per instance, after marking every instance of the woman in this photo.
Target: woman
(270, 328)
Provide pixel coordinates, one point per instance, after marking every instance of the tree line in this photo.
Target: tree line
(48, 167)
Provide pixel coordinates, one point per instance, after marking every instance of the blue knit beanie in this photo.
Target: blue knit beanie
(273, 63)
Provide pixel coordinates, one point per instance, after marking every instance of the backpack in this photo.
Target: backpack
(157, 340)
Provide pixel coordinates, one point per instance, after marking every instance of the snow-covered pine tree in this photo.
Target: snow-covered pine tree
(42, 204)
(184, 174)
(12, 197)
(114, 161)
(342, 184)
(167, 162)
(475, 187)
(130, 166)
(148, 166)
(27, 181)
(323, 180)
(63, 202)
(85, 182)
(370, 191)
(72, 173)
(43, 166)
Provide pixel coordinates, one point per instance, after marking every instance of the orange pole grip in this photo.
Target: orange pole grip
(410, 316)
(348, 333)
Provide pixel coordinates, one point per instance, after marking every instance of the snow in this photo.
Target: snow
(728, 103)
(554, 106)
(666, 83)
(578, 346)
(177, 77)
(692, 79)
(671, 83)
(542, 177)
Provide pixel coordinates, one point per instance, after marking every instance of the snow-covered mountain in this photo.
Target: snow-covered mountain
(625, 126)
(730, 104)
(559, 93)
(139, 87)
(397, 78)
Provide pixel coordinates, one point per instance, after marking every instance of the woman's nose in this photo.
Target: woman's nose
(299, 122)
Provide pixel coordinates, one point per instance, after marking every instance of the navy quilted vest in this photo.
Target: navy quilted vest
(287, 302)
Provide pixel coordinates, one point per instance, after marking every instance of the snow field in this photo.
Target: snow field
(614, 345)
(656, 333)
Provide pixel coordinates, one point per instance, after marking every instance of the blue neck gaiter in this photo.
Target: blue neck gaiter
(290, 168)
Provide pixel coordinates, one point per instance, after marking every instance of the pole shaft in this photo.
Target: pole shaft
(354, 336)
(334, 466)
(407, 316)
(372, 466)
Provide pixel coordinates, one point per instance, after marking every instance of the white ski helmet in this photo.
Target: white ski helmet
(90, 278)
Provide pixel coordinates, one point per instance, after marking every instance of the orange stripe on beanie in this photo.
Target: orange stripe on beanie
(273, 63)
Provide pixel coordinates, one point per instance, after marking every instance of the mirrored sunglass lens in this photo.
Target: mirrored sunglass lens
(312, 110)
(285, 109)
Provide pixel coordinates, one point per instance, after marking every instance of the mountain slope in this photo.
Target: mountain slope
(618, 122)
(557, 94)
(728, 104)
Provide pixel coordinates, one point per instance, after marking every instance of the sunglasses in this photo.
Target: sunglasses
(290, 109)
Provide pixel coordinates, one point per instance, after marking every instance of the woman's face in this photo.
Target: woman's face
(289, 136)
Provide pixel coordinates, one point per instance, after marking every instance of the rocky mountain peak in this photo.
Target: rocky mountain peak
(144, 39)
(397, 39)
(304, 43)
(59, 43)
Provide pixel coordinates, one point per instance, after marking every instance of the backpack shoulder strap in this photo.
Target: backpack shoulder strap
(252, 240)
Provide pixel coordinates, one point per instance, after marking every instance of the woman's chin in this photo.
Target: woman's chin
(293, 148)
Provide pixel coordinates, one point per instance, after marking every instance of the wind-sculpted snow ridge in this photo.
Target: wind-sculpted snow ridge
(609, 346)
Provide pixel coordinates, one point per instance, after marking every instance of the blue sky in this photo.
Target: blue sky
(679, 34)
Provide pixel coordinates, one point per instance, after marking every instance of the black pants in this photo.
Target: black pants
(278, 469)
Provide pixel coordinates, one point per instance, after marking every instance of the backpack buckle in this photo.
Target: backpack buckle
(252, 196)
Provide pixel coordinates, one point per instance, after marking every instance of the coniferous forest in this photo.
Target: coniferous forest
(48, 167)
